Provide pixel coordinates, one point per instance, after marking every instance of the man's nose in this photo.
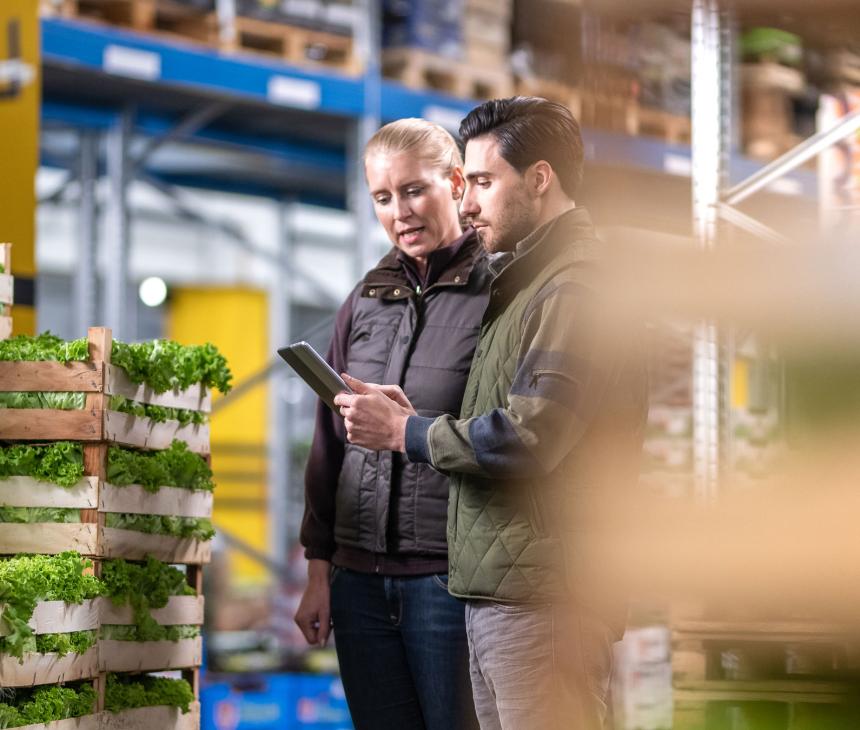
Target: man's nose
(469, 204)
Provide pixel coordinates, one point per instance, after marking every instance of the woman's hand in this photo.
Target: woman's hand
(375, 415)
(313, 615)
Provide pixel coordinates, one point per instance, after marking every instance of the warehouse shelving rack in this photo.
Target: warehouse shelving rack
(300, 131)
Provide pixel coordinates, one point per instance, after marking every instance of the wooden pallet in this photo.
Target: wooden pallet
(292, 44)
(671, 128)
(149, 16)
(7, 287)
(421, 70)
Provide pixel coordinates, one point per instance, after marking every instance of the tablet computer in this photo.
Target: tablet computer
(315, 371)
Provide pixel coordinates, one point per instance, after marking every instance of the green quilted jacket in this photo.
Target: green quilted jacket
(552, 419)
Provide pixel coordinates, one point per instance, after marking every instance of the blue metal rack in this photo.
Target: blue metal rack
(193, 75)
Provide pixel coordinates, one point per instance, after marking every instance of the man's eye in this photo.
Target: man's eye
(483, 183)
(415, 191)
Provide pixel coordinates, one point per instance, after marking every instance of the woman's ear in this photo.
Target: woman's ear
(458, 183)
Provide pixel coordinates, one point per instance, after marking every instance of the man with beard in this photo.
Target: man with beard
(551, 424)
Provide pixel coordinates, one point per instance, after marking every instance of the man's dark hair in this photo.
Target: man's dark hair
(528, 129)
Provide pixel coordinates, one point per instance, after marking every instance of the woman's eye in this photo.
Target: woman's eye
(382, 200)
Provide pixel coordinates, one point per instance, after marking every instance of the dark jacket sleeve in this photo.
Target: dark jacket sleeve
(326, 456)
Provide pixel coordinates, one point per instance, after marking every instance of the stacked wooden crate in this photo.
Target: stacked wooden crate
(7, 286)
(99, 429)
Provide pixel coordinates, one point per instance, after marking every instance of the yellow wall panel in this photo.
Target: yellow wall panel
(234, 320)
(19, 143)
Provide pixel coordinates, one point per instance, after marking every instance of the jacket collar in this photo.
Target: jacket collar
(449, 266)
(571, 233)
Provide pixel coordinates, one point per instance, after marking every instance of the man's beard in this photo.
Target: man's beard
(517, 223)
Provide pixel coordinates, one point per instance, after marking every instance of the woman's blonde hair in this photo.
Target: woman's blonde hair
(427, 140)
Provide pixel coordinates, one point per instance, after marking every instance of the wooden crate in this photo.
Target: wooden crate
(147, 718)
(87, 722)
(7, 287)
(422, 70)
(552, 91)
(292, 44)
(96, 423)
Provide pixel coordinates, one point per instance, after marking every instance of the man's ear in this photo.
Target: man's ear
(541, 177)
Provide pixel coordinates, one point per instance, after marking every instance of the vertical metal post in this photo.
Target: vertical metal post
(711, 120)
(368, 44)
(280, 436)
(116, 294)
(85, 283)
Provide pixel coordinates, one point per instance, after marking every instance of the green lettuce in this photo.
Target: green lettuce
(43, 399)
(61, 462)
(124, 692)
(143, 586)
(43, 347)
(27, 579)
(176, 466)
(34, 515)
(159, 414)
(165, 365)
(198, 528)
(73, 642)
(39, 705)
(120, 632)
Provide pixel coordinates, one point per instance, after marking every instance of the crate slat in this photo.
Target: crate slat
(29, 492)
(149, 656)
(7, 287)
(59, 617)
(87, 722)
(132, 545)
(50, 425)
(144, 433)
(195, 398)
(71, 377)
(179, 610)
(147, 718)
(166, 501)
(48, 668)
(47, 538)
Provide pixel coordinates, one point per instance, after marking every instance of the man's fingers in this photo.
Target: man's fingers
(306, 625)
(345, 399)
(325, 628)
(357, 385)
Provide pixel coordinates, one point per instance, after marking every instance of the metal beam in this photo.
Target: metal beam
(86, 280)
(749, 224)
(117, 298)
(793, 159)
(185, 128)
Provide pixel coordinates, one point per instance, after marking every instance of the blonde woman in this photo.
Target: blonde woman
(374, 528)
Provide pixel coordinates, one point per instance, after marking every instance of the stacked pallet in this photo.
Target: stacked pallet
(112, 521)
(7, 287)
(327, 44)
(440, 45)
(763, 674)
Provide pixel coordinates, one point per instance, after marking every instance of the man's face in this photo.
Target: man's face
(497, 202)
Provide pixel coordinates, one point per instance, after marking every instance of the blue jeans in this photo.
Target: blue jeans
(403, 654)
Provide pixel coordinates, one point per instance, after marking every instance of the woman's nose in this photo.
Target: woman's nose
(403, 208)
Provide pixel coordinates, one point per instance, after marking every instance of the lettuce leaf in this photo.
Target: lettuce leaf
(165, 365)
(43, 347)
(159, 414)
(118, 632)
(34, 515)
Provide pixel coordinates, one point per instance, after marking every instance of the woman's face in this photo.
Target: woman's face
(414, 201)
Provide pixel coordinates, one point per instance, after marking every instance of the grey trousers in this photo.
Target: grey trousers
(538, 667)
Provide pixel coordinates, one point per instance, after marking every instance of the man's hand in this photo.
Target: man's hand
(313, 616)
(375, 415)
